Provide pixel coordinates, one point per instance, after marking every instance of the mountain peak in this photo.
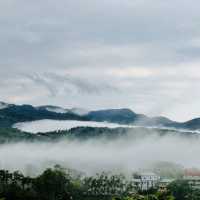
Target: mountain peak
(3, 105)
(122, 115)
(11, 113)
(55, 109)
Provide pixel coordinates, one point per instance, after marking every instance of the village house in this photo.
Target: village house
(145, 181)
(193, 177)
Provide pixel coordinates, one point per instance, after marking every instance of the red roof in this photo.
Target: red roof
(192, 172)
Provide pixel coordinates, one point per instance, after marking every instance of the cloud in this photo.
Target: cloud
(43, 126)
(126, 154)
(138, 54)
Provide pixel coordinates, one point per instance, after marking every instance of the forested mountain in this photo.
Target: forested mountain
(127, 116)
(22, 113)
(11, 114)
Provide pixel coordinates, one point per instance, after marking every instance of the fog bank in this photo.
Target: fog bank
(47, 125)
(91, 156)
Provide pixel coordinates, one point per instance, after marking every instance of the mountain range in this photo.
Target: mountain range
(11, 114)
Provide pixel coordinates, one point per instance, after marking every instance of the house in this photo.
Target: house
(146, 181)
(193, 177)
(163, 183)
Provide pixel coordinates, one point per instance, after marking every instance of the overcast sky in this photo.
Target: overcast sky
(141, 54)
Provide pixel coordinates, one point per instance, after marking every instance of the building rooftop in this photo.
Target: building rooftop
(192, 172)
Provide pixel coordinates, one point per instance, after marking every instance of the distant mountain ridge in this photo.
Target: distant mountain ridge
(11, 114)
(127, 116)
(57, 109)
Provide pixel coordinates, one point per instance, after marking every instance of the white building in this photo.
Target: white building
(145, 181)
(193, 177)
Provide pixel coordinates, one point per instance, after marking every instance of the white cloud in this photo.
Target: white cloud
(43, 126)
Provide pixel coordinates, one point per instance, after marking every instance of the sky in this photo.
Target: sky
(139, 54)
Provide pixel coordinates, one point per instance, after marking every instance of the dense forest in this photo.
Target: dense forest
(62, 184)
(84, 133)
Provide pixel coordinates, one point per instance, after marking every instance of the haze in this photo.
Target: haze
(125, 154)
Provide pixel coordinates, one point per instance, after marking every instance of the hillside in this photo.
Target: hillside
(10, 135)
(11, 114)
(22, 113)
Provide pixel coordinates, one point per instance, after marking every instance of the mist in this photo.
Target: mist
(124, 154)
(46, 125)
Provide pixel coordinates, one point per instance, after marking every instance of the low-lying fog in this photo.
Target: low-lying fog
(91, 156)
(46, 125)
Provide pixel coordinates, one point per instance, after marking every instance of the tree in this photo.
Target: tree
(181, 190)
(53, 185)
(165, 196)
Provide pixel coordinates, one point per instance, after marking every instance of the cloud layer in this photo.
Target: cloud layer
(42, 126)
(99, 54)
(125, 154)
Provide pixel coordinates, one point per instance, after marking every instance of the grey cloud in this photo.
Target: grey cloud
(65, 50)
(55, 83)
(38, 31)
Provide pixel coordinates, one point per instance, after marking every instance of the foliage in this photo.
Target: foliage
(61, 184)
(181, 190)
